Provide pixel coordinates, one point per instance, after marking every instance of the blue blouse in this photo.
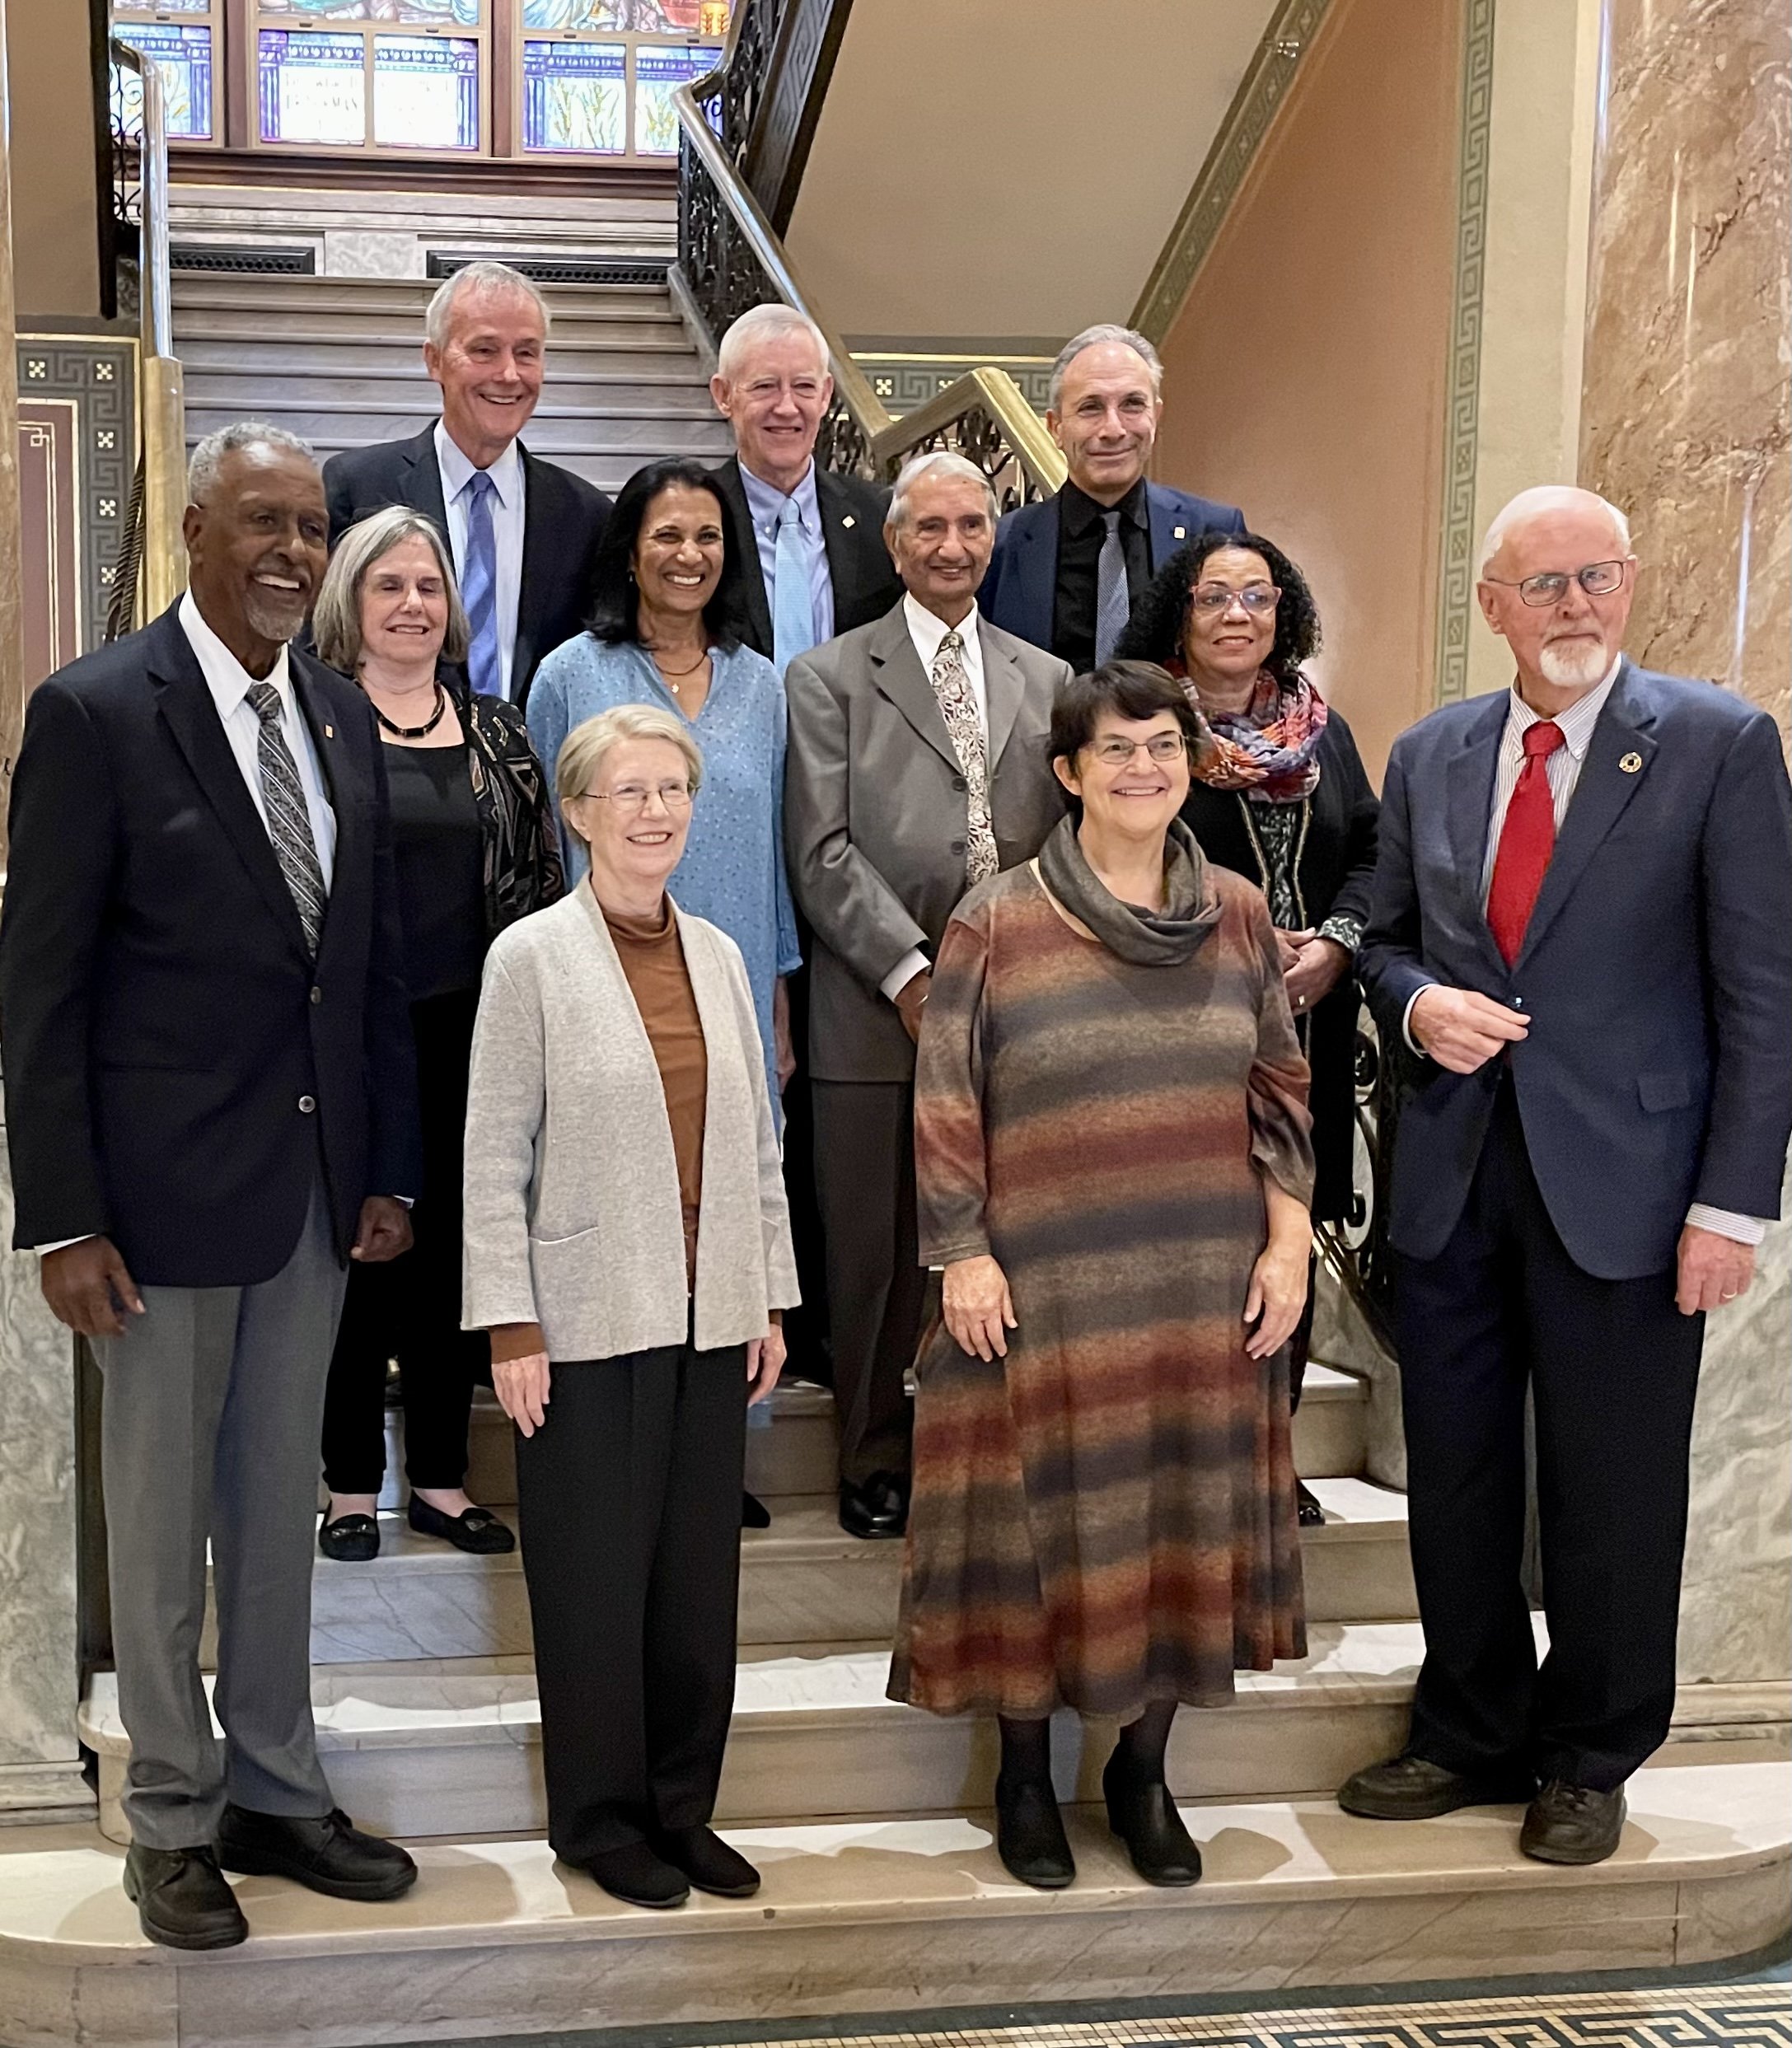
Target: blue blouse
(732, 871)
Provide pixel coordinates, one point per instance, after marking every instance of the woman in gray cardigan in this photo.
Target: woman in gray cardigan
(629, 1250)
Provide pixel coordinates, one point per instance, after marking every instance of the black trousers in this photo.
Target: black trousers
(806, 1326)
(411, 1310)
(1613, 1367)
(877, 1287)
(629, 1498)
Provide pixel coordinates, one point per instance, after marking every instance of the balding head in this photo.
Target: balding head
(1557, 577)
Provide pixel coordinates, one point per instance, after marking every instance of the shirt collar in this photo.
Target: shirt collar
(457, 466)
(1576, 722)
(1079, 512)
(224, 676)
(766, 502)
(927, 629)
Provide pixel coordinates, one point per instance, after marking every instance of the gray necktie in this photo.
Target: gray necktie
(289, 822)
(1112, 604)
(958, 707)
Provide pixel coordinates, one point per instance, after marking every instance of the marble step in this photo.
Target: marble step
(556, 434)
(330, 355)
(396, 298)
(874, 1916)
(803, 1580)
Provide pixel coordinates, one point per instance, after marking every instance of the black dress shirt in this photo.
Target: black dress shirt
(1080, 535)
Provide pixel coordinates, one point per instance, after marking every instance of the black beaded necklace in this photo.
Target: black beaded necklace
(414, 731)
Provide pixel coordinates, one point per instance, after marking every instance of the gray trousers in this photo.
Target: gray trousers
(211, 1407)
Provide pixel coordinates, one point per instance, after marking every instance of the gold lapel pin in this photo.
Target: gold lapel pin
(1631, 762)
(1179, 533)
(848, 520)
(329, 732)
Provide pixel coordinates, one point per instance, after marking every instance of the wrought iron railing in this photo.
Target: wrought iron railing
(1357, 1249)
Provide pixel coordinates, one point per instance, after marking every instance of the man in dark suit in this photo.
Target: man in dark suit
(917, 766)
(1067, 571)
(212, 1106)
(522, 530)
(1582, 924)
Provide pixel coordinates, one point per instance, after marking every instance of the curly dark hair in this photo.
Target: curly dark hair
(612, 614)
(1158, 627)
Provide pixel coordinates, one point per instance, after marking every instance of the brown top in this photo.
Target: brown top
(653, 959)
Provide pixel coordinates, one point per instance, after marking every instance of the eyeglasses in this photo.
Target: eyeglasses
(634, 796)
(1254, 597)
(1597, 579)
(1163, 747)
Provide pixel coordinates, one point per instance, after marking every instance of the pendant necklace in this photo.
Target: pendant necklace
(415, 731)
(673, 676)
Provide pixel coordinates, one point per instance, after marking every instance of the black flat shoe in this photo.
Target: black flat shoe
(1030, 1837)
(330, 1854)
(182, 1898)
(1306, 1509)
(350, 1539)
(1145, 1817)
(877, 1509)
(476, 1530)
(708, 1861)
(1572, 1823)
(634, 1874)
(1413, 1788)
(755, 1514)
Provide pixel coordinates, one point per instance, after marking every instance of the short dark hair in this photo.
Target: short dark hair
(1128, 689)
(611, 614)
(1158, 627)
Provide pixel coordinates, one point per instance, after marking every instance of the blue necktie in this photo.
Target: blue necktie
(478, 588)
(792, 615)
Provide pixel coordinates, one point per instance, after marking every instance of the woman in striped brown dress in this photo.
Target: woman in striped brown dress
(1114, 1162)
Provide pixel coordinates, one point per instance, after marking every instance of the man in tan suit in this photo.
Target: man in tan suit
(916, 767)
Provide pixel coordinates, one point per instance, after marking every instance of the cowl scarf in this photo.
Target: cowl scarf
(1269, 749)
(1168, 937)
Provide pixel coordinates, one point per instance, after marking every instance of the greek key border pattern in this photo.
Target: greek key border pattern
(904, 381)
(1271, 72)
(1455, 561)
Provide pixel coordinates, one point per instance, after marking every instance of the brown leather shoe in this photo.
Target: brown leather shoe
(1572, 1823)
(1413, 1788)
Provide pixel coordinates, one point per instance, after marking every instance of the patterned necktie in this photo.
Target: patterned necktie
(289, 822)
(1527, 840)
(1112, 603)
(793, 619)
(958, 707)
(478, 588)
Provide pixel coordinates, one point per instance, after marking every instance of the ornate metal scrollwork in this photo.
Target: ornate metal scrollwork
(725, 276)
(979, 436)
(1358, 1248)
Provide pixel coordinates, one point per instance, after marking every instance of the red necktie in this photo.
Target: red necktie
(1527, 840)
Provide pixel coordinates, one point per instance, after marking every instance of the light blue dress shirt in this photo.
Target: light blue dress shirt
(765, 503)
(732, 871)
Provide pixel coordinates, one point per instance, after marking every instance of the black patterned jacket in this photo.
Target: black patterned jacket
(515, 797)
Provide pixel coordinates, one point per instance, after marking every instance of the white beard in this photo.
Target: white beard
(1573, 665)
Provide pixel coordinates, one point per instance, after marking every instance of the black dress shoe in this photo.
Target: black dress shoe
(350, 1539)
(1030, 1837)
(182, 1898)
(755, 1514)
(708, 1861)
(638, 1875)
(880, 1508)
(1144, 1816)
(330, 1854)
(475, 1529)
(1412, 1789)
(1572, 1823)
(1307, 1512)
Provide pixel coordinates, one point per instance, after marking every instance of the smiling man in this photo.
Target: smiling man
(917, 766)
(1067, 571)
(523, 531)
(211, 1104)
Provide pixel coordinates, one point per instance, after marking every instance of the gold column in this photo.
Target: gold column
(12, 594)
(1685, 414)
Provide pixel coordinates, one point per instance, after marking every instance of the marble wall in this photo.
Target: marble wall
(1686, 421)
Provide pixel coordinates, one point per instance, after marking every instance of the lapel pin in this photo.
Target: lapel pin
(329, 732)
(848, 520)
(1631, 762)
(1179, 533)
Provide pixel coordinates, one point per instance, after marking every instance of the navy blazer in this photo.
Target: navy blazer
(563, 521)
(1656, 970)
(1018, 592)
(175, 1061)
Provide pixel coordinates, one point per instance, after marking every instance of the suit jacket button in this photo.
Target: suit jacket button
(307, 1103)
(958, 782)
(317, 995)
(957, 846)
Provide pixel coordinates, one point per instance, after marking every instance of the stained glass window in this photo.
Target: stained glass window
(127, 7)
(659, 70)
(426, 92)
(575, 97)
(183, 57)
(567, 17)
(312, 87)
(463, 14)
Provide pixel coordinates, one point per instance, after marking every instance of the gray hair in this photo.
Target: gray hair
(1542, 497)
(583, 752)
(766, 323)
(937, 462)
(208, 458)
(1093, 338)
(483, 276)
(336, 617)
